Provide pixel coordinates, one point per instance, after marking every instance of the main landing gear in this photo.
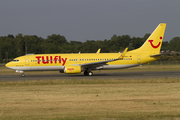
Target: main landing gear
(88, 73)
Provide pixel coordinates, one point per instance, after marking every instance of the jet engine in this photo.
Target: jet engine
(72, 69)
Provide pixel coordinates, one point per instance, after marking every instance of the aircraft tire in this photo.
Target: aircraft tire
(86, 73)
(22, 75)
(90, 73)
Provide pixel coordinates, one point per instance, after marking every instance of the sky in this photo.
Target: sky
(81, 20)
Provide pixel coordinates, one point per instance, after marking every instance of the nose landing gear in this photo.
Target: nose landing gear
(22, 75)
(18, 71)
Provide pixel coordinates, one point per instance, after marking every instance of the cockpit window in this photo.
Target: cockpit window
(15, 60)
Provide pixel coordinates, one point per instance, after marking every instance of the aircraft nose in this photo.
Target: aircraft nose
(9, 64)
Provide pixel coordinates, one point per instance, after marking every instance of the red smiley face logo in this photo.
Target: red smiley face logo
(154, 45)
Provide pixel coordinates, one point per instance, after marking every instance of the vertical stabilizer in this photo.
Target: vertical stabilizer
(153, 44)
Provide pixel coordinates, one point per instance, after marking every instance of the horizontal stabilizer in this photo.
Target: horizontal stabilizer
(158, 54)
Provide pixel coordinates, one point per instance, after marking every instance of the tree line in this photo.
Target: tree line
(14, 46)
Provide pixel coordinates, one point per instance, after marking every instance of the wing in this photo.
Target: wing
(97, 64)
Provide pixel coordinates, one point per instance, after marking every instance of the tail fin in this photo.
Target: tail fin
(153, 44)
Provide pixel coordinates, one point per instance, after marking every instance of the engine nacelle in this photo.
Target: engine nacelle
(72, 69)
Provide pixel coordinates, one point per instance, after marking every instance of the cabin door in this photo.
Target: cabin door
(26, 60)
(139, 59)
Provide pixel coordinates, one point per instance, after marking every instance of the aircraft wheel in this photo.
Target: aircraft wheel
(22, 75)
(90, 73)
(86, 73)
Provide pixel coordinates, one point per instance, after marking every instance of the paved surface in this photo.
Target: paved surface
(115, 75)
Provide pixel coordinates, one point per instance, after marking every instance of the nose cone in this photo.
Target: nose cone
(9, 65)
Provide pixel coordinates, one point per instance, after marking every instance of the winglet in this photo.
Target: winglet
(98, 50)
(123, 54)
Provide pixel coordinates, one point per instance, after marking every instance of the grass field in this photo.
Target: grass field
(71, 99)
(156, 99)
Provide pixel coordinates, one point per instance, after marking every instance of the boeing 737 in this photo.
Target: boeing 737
(87, 62)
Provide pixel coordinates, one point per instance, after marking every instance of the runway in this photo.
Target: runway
(115, 75)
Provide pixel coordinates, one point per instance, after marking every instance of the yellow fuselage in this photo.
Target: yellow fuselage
(58, 61)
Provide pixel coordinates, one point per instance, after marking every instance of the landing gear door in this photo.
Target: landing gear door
(26, 61)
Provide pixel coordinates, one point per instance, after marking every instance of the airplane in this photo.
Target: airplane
(87, 62)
